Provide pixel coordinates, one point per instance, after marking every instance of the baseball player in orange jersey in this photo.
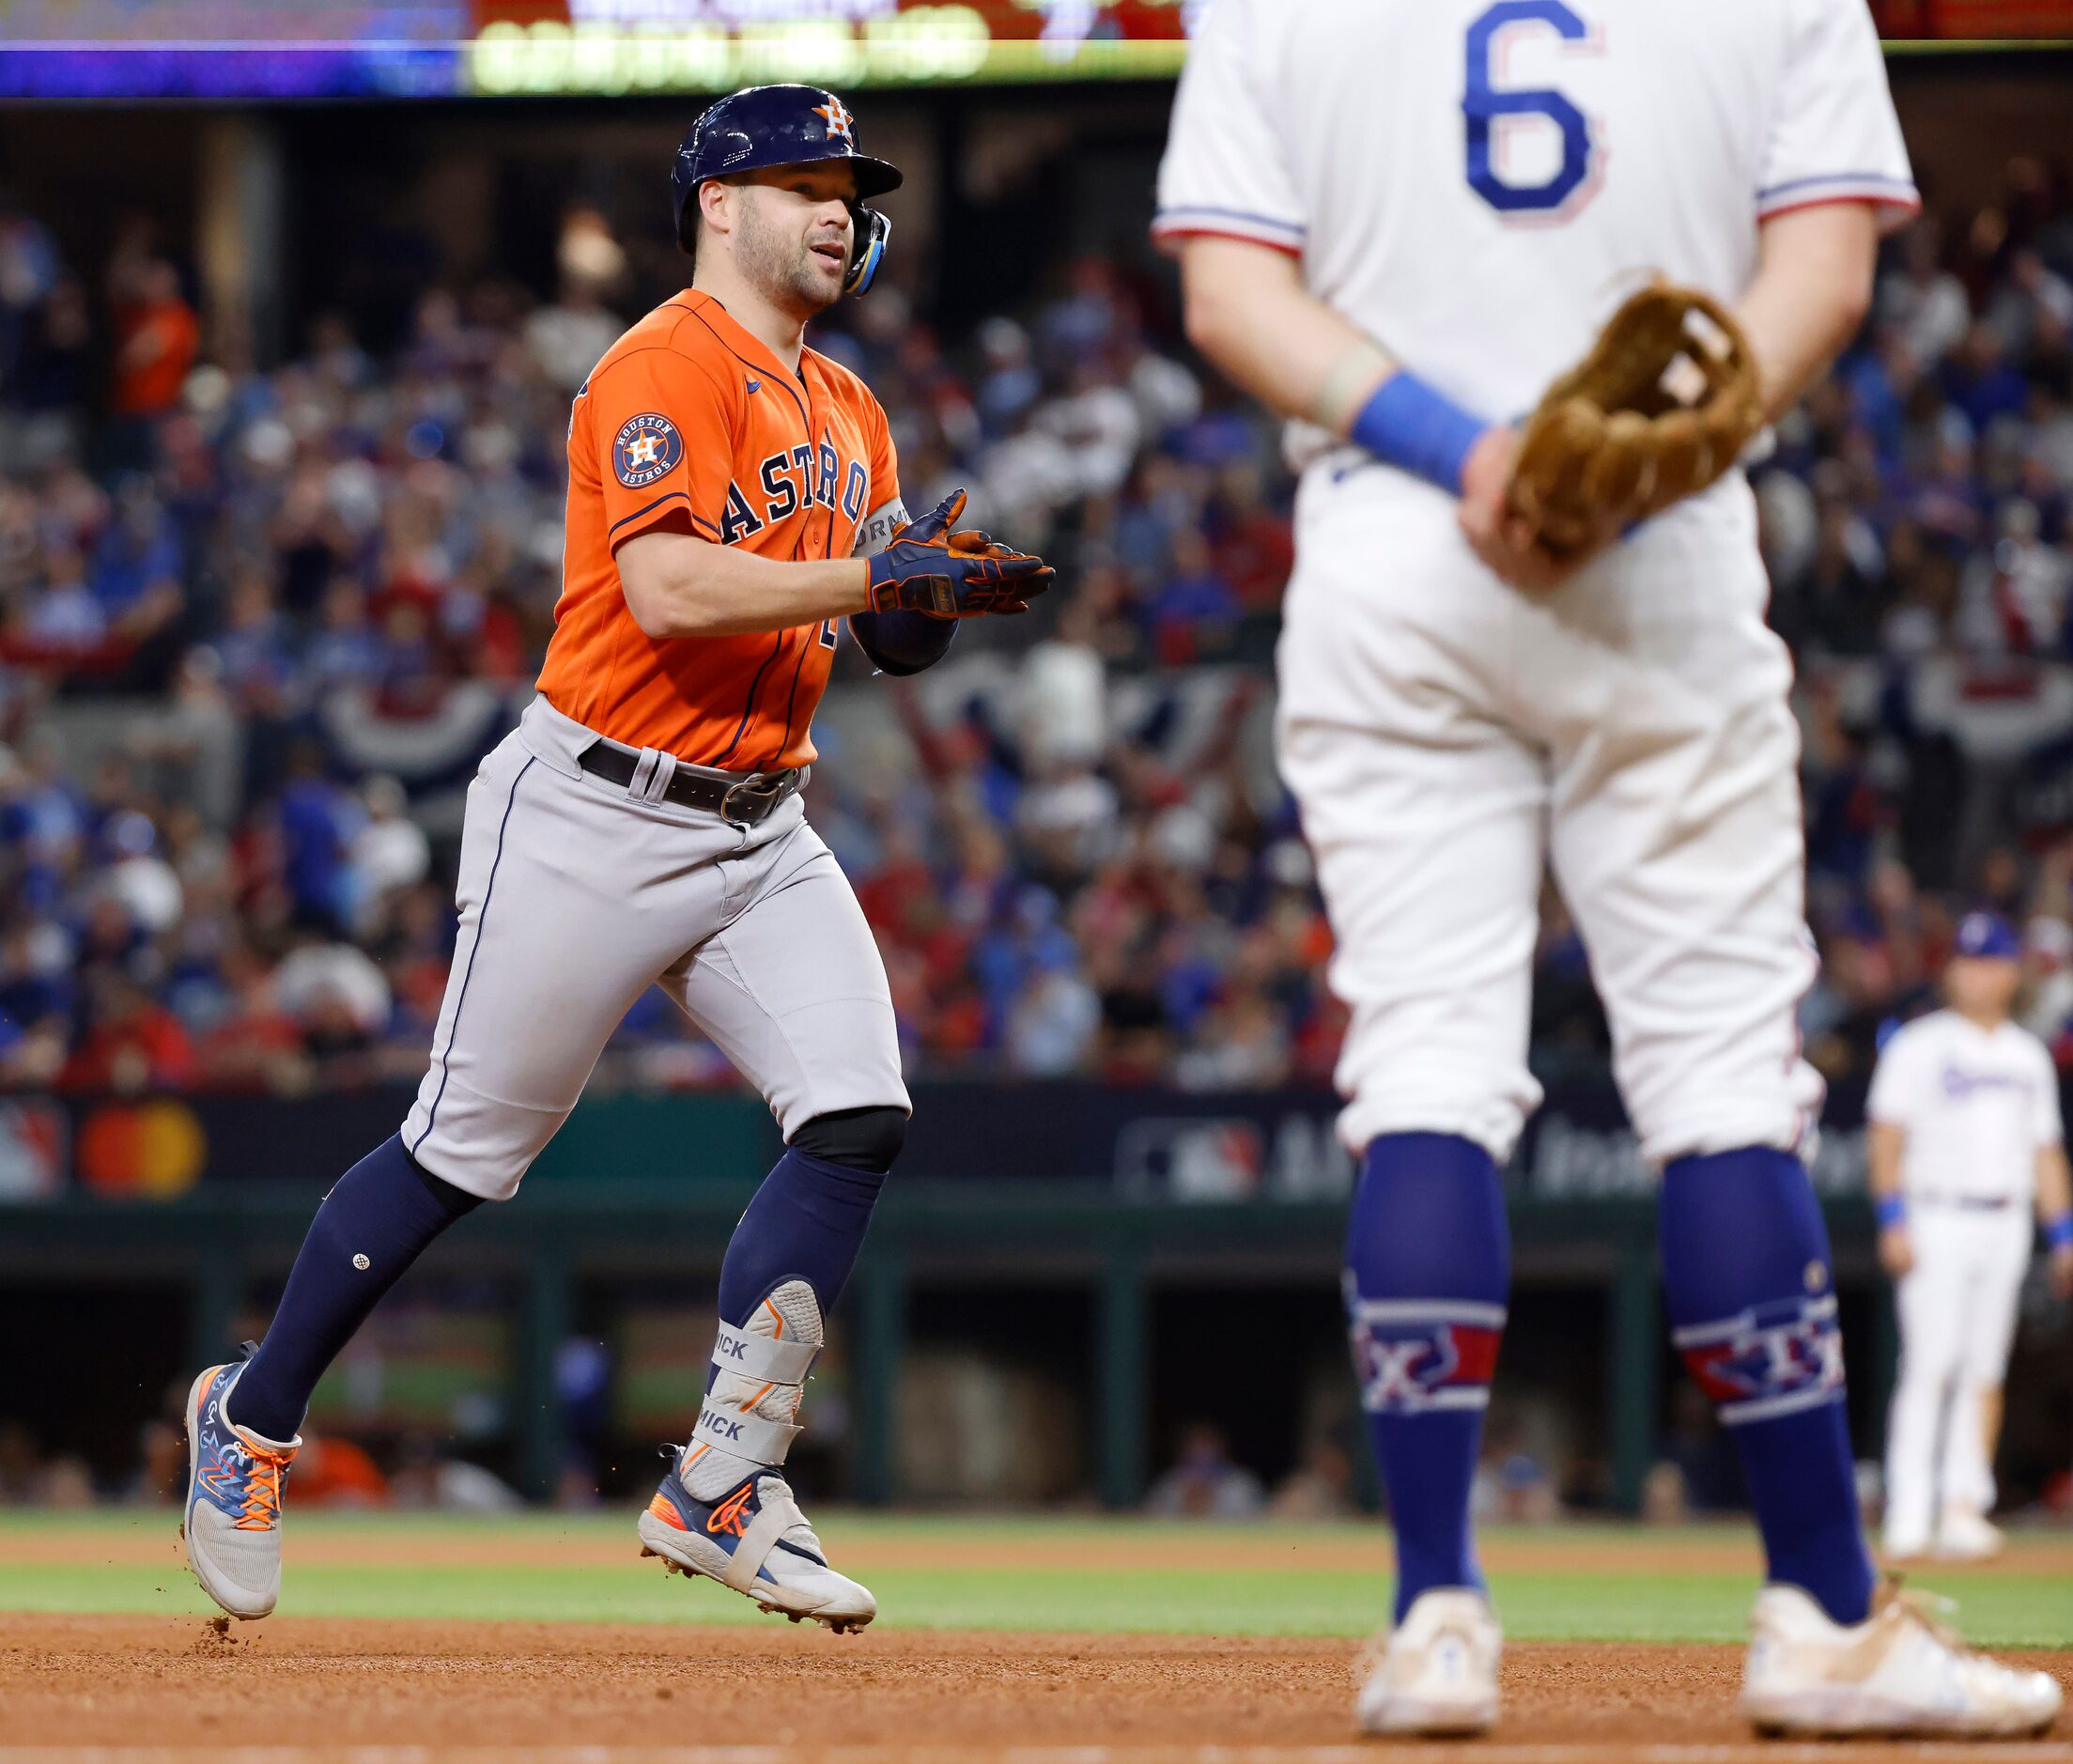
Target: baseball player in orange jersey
(732, 497)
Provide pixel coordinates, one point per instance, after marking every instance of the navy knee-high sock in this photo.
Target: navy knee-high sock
(1751, 1300)
(373, 1225)
(807, 1222)
(1428, 1270)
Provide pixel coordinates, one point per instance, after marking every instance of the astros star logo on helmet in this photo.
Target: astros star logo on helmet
(837, 116)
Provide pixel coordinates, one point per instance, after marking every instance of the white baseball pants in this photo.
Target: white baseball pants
(576, 896)
(1447, 736)
(1957, 1319)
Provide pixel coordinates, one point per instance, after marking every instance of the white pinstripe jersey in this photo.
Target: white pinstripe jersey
(1476, 183)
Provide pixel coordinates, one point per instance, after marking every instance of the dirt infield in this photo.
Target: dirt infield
(136, 1690)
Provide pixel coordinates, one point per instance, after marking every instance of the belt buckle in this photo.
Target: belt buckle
(765, 791)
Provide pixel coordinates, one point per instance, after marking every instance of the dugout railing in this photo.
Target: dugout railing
(218, 1243)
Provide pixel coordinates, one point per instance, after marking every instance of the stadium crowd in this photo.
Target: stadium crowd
(257, 623)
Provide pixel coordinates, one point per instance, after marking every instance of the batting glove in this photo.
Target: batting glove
(927, 568)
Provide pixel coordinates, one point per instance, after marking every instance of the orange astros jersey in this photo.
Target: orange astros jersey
(689, 421)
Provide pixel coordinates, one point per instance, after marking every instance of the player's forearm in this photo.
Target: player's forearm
(2054, 1183)
(1882, 1147)
(1247, 311)
(679, 586)
(1813, 288)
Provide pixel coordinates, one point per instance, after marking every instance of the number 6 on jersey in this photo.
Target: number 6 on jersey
(1496, 117)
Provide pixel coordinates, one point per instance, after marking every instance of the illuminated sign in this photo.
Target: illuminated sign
(714, 45)
(291, 48)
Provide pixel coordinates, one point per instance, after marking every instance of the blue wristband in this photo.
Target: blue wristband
(1409, 424)
(2058, 1231)
(1889, 1210)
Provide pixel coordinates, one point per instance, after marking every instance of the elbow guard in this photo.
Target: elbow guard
(901, 642)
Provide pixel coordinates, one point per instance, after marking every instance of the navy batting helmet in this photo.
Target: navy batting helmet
(785, 125)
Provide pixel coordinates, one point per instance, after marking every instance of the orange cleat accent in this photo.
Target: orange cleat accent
(664, 1509)
(262, 1503)
(727, 1516)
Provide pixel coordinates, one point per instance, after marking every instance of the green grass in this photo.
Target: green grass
(1619, 1583)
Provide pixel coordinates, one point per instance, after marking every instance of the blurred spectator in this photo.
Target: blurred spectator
(1319, 1488)
(290, 603)
(388, 854)
(132, 1042)
(425, 1478)
(335, 1472)
(156, 334)
(335, 994)
(1665, 1499)
(1512, 1489)
(19, 1464)
(1203, 1482)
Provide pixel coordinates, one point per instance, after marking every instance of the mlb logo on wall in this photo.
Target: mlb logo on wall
(32, 1149)
(645, 447)
(1206, 1160)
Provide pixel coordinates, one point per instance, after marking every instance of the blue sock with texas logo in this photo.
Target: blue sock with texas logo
(1428, 1271)
(1751, 1300)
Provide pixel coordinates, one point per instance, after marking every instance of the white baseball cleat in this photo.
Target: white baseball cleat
(1899, 1672)
(724, 1511)
(232, 1521)
(1968, 1537)
(754, 1541)
(1436, 1672)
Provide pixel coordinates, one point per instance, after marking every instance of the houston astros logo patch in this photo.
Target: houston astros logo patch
(838, 119)
(645, 448)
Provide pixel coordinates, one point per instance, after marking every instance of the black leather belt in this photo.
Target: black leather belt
(740, 798)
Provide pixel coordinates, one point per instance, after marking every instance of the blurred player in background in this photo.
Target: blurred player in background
(1965, 1140)
(1398, 221)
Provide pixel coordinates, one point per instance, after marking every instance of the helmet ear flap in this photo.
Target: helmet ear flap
(869, 230)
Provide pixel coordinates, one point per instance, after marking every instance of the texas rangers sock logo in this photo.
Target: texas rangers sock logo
(1415, 1354)
(1772, 1359)
(646, 447)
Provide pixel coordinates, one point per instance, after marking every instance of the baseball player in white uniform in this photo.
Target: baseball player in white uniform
(1397, 222)
(1965, 1140)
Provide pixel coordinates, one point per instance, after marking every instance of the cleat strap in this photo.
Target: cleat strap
(747, 1436)
(761, 1357)
(771, 1522)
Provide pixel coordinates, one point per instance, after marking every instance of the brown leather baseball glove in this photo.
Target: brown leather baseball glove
(1662, 405)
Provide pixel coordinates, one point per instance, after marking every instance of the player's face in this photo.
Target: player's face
(1981, 985)
(792, 233)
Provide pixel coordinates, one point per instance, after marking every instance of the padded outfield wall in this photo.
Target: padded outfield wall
(1133, 1258)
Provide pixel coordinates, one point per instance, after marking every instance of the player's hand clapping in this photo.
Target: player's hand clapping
(927, 568)
(1500, 537)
